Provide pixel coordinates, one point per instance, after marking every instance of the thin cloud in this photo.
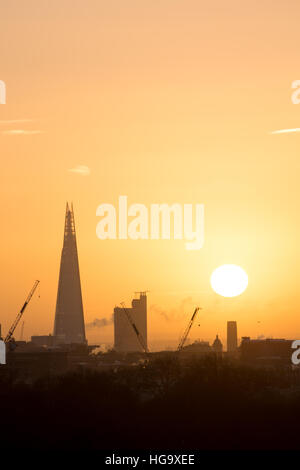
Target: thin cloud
(15, 121)
(82, 170)
(21, 132)
(286, 131)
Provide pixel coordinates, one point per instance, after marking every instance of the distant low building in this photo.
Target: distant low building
(43, 341)
(30, 364)
(266, 351)
(198, 347)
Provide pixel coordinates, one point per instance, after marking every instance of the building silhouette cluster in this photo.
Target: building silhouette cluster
(130, 324)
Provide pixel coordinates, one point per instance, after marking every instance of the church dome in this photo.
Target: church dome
(217, 345)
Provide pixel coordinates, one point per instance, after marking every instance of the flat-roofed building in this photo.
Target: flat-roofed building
(232, 341)
(125, 337)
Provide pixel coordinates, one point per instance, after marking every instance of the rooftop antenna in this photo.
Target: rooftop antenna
(141, 292)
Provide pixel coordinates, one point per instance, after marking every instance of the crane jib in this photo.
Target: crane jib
(15, 323)
(135, 329)
(23, 308)
(186, 333)
(138, 335)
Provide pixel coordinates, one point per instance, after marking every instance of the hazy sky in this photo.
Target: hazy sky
(163, 101)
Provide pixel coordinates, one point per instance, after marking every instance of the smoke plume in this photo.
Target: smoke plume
(100, 322)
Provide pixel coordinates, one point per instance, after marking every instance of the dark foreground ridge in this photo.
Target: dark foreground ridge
(206, 403)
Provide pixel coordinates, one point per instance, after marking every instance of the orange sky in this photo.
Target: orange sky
(165, 101)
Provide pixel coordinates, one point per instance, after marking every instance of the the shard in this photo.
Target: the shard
(69, 319)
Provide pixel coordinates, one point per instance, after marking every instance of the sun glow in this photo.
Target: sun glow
(229, 280)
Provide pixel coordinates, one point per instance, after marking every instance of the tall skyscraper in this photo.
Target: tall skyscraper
(69, 320)
(125, 337)
(232, 343)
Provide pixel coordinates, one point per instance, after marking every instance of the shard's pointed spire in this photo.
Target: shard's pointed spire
(69, 319)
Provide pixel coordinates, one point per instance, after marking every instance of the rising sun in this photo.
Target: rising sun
(229, 280)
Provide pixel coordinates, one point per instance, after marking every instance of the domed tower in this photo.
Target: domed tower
(217, 346)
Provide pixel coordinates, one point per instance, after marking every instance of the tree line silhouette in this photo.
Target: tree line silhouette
(206, 403)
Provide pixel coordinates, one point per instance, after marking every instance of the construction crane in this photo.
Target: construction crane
(138, 334)
(19, 316)
(187, 330)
